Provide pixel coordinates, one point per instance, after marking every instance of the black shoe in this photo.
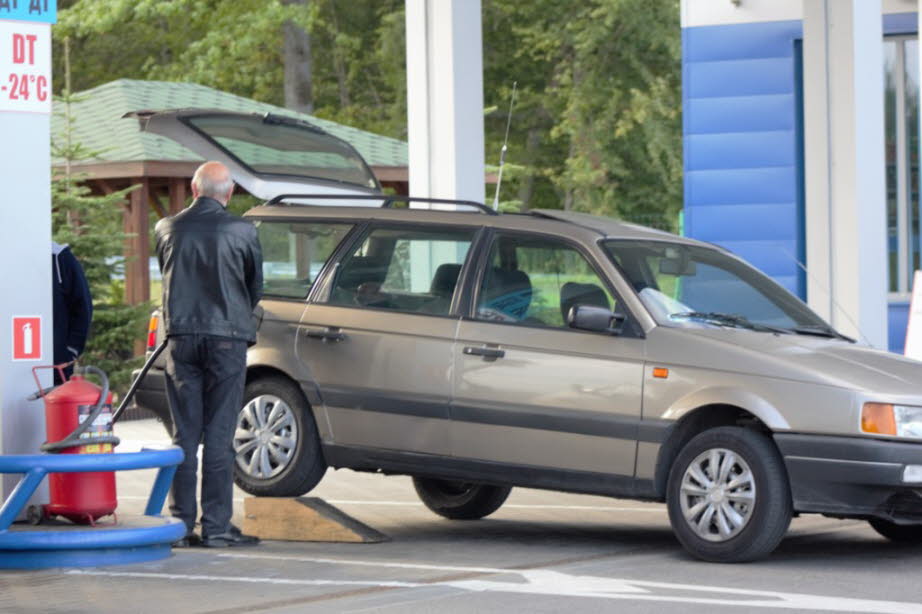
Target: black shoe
(190, 540)
(230, 538)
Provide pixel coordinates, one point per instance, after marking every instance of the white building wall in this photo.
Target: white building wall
(724, 12)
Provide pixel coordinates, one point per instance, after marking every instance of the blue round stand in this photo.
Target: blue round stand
(147, 538)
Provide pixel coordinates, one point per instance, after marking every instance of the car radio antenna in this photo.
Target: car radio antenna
(832, 299)
(502, 152)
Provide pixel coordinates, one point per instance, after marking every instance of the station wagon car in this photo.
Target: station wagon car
(477, 352)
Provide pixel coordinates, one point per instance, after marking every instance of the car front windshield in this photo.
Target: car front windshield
(692, 286)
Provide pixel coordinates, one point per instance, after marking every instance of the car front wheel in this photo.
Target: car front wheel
(276, 443)
(728, 496)
(460, 500)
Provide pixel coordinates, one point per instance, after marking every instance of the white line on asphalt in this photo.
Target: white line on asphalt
(363, 563)
(524, 506)
(553, 583)
(604, 508)
(247, 579)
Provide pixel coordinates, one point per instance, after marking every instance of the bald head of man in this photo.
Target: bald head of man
(213, 180)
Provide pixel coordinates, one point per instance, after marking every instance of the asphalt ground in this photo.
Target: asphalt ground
(541, 552)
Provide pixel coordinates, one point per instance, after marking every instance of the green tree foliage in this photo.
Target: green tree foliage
(85, 222)
(597, 124)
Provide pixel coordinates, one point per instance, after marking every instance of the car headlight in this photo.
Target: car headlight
(896, 420)
(908, 421)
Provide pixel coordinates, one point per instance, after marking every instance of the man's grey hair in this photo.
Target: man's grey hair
(207, 186)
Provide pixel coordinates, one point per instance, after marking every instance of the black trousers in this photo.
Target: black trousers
(205, 376)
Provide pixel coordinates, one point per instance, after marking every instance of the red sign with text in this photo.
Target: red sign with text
(25, 66)
(27, 338)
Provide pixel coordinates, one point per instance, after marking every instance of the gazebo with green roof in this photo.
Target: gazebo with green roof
(125, 156)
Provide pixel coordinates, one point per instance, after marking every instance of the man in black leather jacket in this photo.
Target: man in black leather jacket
(212, 280)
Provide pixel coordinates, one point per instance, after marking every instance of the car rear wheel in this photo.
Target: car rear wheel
(728, 496)
(903, 533)
(460, 500)
(276, 443)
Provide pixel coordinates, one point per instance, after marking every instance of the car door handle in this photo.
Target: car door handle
(487, 353)
(325, 334)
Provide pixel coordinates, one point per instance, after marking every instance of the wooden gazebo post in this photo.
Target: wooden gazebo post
(177, 194)
(137, 246)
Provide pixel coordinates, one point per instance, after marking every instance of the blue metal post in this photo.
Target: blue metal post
(20, 496)
(159, 492)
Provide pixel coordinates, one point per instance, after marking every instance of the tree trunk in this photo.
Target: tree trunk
(527, 188)
(299, 94)
(339, 64)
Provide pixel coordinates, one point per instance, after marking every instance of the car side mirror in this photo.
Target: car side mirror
(595, 319)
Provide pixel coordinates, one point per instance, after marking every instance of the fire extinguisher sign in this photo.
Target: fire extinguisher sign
(27, 338)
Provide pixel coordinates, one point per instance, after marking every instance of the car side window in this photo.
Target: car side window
(403, 269)
(536, 281)
(294, 253)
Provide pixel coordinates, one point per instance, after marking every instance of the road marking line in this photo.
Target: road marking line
(365, 563)
(559, 584)
(536, 506)
(588, 507)
(245, 579)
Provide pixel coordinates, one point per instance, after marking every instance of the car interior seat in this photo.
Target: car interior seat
(445, 280)
(507, 292)
(359, 271)
(442, 288)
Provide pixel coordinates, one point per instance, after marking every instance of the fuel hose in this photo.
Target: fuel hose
(137, 381)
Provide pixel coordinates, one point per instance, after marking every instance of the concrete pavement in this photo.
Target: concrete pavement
(541, 552)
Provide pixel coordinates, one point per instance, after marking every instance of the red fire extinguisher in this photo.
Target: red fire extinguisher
(78, 420)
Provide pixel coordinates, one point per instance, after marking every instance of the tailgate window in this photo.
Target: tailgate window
(294, 253)
(276, 146)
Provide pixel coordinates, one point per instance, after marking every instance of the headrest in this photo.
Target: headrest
(508, 291)
(361, 269)
(445, 280)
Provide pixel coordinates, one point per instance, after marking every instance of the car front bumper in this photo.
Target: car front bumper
(852, 477)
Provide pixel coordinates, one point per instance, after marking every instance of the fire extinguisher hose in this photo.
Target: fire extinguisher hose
(137, 381)
(75, 438)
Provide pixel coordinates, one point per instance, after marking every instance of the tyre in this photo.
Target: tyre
(728, 496)
(276, 443)
(460, 500)
(902, 533)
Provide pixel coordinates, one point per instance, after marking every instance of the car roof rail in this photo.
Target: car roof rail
(389, 200)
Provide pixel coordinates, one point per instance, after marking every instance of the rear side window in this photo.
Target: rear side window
(412, 270)
(294, 253)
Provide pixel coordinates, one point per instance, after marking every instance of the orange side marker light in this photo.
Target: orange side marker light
(660, 372)
(878, 418)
